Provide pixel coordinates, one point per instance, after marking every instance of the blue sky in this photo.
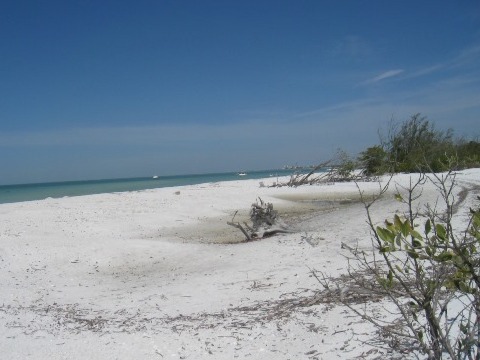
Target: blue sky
(106, 89)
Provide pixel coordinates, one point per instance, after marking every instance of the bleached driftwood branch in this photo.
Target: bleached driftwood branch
(265, 222)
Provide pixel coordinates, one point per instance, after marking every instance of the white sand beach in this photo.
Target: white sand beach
(158, 274)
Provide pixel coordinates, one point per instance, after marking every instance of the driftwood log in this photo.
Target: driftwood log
(265, 222)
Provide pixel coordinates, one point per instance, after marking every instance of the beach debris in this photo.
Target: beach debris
(265, 222)
(310, 239)
(72, 318)
(340, 168)
(310, 178)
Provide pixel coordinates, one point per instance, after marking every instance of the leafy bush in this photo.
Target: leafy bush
(415, 146)
(468, 154)
(345, 165)
(374, 161)
(430, 271)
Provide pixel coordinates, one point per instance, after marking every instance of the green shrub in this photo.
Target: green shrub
(429, 269)
(374, 160)
(417, 146)
(468, 154)
(345, 165)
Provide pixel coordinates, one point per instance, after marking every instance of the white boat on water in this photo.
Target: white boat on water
(155, 177)
(242, 174)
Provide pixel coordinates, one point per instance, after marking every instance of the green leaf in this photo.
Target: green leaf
(398, 197)
(465, 288)
(429, 251)
(385, 234)
(444, 256)
(405, 228)
(385, 249)
(390, 226)
(441, 232)
(413, 254)
(416, 235)
(428, 227)
(397, 221)
(416, 243)
(390, 278)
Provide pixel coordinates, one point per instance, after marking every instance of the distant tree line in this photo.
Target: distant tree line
(417, 146)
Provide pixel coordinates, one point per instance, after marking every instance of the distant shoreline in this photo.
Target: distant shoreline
(40, 191)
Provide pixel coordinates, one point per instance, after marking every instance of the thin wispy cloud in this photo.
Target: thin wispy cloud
(425, 71)
(335, 108)
(385, 75)
(467, 57)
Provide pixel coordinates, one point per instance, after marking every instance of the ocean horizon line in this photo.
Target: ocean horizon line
(57, 189)
(53, 182)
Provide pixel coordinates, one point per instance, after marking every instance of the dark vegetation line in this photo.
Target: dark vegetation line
(417, 146)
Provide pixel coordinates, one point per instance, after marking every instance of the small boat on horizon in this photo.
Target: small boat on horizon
(155, 177)
(242, 174)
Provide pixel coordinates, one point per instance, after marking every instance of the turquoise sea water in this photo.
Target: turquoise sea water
(27, 192)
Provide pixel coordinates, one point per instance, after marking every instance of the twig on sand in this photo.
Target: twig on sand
(70, 318)
(240, 227)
